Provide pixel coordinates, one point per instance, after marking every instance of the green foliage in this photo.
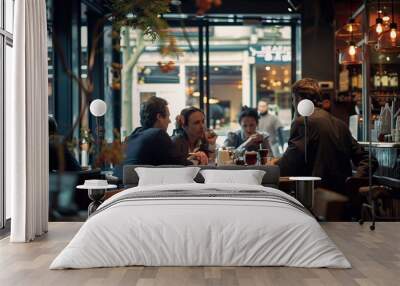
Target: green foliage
(141, 14)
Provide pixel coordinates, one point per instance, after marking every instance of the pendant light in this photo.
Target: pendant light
(389, 41)
(381, 25)
(350, 29)
(352, 49)
(393, 26)
(349, 55)
(379, 20)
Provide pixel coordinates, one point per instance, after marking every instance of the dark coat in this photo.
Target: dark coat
(181, 142)
(331, 151)
(150, 146)
(60, 158)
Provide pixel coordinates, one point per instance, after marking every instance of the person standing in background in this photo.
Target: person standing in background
(270, 124)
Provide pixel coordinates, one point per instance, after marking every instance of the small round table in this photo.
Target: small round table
(96, 194)
(305, 190)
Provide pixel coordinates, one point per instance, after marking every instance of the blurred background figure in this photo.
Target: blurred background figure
(270, 124)
(192, 139)
(60, 158)
(63, 175)
(216, 115)
(326, 102)
(247, 138)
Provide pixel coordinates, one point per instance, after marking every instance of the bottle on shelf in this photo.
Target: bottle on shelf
(386, 122)
(393, 79)
(396, 135)
(377, 80)
(359, 80)
(385, 79)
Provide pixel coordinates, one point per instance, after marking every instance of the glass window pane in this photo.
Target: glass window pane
(9, 14)
(1, 15)
(2, 127)
(149, 74)
(9, 64)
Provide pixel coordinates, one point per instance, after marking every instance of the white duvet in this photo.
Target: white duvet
(200, 231)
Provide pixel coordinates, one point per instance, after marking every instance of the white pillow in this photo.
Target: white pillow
(166, 176)
(248, 177)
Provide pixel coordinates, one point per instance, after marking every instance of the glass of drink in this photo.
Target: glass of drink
(263, 154)
(250, 157)
(239, 161)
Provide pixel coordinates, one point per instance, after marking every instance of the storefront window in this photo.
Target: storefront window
(9, 11)
(6, 67)
(247, 63)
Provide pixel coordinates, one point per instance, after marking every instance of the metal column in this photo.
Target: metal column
(366, 76)
(201, 66)
(208, 74)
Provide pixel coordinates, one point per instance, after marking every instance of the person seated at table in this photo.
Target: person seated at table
(150, 144)
(60, 158)
(64, 170)
(191, 137)
(331, 149)
(247, 138)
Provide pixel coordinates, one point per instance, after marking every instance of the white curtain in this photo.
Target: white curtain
(27, 124)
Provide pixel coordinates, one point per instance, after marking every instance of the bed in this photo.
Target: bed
(197, 224)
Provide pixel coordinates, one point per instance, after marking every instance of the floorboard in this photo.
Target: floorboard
(375, 257)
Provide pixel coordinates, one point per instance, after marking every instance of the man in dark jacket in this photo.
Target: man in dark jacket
(60, 158)
(331, 149)
(151, 144)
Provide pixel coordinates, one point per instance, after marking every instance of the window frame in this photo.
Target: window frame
(6, 39)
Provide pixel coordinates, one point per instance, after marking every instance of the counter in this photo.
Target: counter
(388, 156)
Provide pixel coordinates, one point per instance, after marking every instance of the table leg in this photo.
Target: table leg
(305, 193)
(97, 197)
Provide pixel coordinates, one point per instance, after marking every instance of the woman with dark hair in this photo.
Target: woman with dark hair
(191, 137)
(247, 138)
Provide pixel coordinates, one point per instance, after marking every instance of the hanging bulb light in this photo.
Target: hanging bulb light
(350, 25)
(379, 25)
(389, 41)
(393, 26)
(352, 48)
(393, 31)
(385, 18)
(379, 20)
(352, 28)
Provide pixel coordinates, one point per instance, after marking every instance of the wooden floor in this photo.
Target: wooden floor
(375, 257)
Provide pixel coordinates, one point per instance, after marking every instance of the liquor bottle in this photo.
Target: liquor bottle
(385, 79)
(359, 80)
(377, 80)
(397, 130)
(394, 80)
(386, 121)
(354, 79)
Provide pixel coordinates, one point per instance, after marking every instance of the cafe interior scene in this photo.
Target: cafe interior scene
(267, 130)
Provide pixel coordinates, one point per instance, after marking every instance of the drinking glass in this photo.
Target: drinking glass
(263, 154)
(250, 157)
